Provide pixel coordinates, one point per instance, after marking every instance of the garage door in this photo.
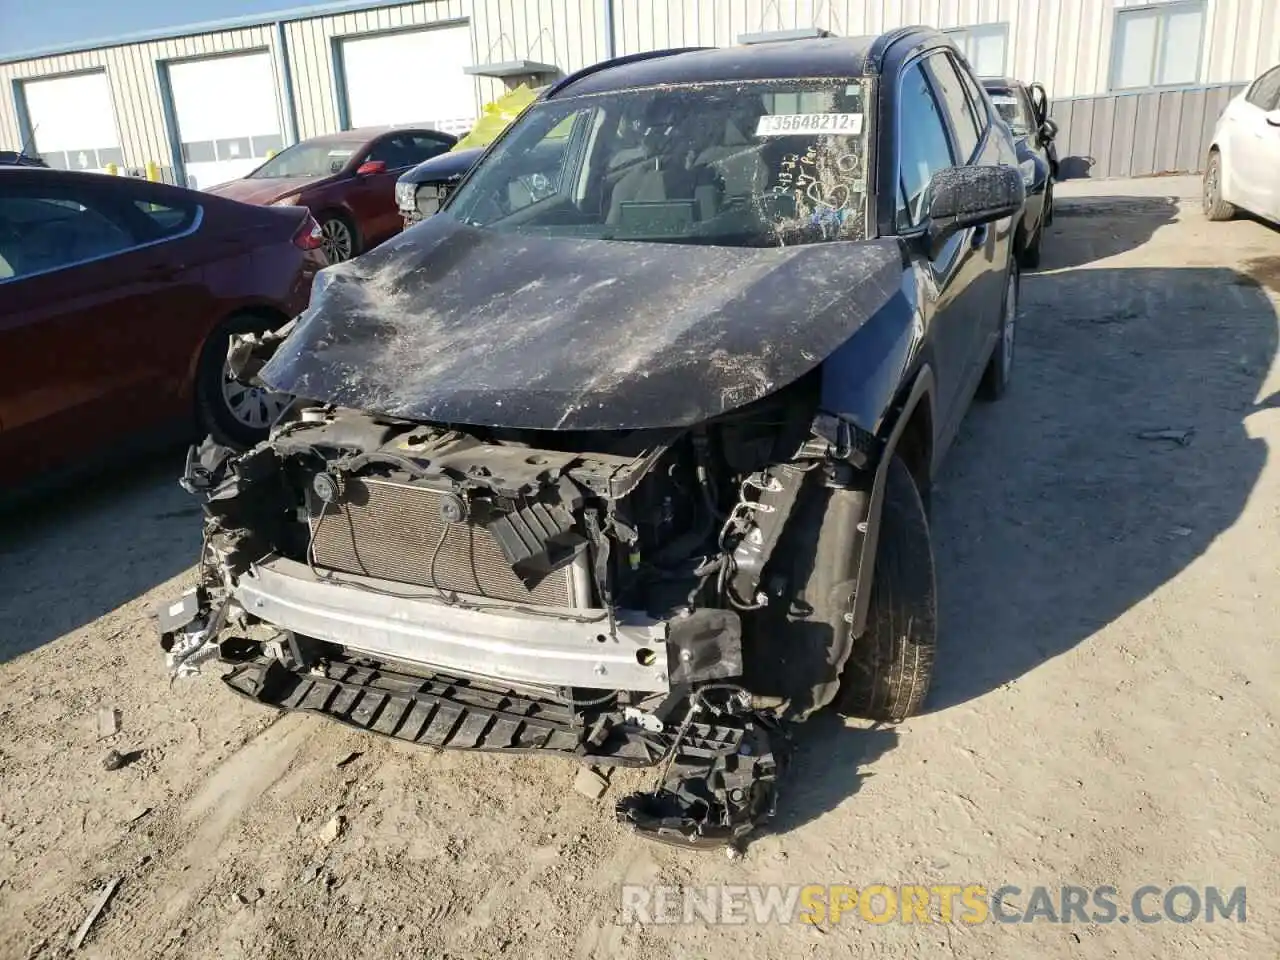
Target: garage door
(73, 121)
(412, 77)
(226, 114)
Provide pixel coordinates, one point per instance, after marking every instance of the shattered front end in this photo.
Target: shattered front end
(600, 594)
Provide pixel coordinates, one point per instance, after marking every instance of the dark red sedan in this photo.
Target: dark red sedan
(347, 180)
(117, 299)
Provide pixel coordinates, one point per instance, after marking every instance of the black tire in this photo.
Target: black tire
(1048, 205)
(890, 667)
(1030, 254)
(334, 227)
(1215, 208)
(213, 410)
(999, 372)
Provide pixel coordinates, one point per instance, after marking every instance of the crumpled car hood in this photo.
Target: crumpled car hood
(455, 324)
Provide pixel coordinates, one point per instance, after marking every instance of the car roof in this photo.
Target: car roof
(365, 134)
(816, 58)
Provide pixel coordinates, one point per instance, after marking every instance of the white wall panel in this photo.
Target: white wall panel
(73, 121)
(412, 76)
(227, 115)
(1064, 43)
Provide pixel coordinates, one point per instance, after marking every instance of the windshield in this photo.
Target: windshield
(770, 163)
(321, 159)
(1013, 107)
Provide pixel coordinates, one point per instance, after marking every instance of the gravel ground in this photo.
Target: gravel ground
(1104, 710)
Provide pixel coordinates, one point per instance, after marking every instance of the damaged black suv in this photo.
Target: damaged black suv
(625, 454)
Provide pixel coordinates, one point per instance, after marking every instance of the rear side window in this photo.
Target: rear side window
(923, 143)
(169, 221)
(956, 103)
(1265, 93)
(43, 233)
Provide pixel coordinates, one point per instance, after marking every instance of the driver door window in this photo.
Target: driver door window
(924, 147)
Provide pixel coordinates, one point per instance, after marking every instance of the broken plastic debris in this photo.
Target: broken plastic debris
(95, 912)
(108, 722)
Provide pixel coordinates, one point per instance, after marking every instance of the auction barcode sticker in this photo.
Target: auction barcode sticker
(782, 124)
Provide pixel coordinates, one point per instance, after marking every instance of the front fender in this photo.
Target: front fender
(920, 392)
(861, 378)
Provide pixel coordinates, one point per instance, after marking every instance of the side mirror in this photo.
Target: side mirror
(962, 197)
(1273, 118)
(1048, 130)
(370, 167)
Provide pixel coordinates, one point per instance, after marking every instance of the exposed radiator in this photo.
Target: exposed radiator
(392, 531)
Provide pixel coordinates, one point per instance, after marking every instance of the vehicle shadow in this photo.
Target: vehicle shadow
(828, 766)
(70, 557)
(1119, 456)
(1130, 222)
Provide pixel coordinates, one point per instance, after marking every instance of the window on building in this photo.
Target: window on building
(983, 46)
(1157, 46)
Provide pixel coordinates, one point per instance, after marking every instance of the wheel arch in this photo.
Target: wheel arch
(266, 311)
(912, 437)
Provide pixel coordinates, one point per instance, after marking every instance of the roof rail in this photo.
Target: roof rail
(880, 47)
(615, 62)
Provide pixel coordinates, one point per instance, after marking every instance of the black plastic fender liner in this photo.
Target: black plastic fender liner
(713, 798)
(921, 389)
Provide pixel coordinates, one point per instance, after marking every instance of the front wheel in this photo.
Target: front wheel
(338, 238)
(1215, 207)
(999, 372)
(890, 665)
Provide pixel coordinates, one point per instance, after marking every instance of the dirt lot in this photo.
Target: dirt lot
(1104, 713)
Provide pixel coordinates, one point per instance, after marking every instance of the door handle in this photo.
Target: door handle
(979, 236)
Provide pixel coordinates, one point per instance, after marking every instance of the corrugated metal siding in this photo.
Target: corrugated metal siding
(1134, 135)
(1066, 44)
(135, 90)
(311, 41)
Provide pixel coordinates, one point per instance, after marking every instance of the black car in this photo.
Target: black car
(629, 458)
(1025, 108)
(17, 158)
(422, 190)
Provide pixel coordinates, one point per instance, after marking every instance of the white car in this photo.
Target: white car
(1243, 170)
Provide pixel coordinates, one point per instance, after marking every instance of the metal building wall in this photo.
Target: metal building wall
(1065, 44)
(132, 72)
(568, 33)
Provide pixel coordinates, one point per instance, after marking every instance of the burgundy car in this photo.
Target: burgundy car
(347, 180)
(117, 300)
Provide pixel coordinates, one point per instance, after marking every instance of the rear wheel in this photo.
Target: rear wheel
(890, 666)
(999, 372)
(1215, 208)
(232, 413)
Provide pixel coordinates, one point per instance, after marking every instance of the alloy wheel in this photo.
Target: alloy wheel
(337, 240)
(1211, 185)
